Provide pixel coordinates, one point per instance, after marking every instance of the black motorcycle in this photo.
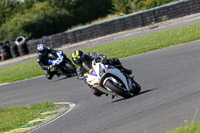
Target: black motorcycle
(61, 64)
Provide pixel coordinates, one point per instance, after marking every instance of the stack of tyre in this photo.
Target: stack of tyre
(32, 45)
(1, 55)
(5, 51)
(21, 44)
(13, 48)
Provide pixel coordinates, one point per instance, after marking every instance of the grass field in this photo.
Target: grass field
(192, 128)
(118, 50)
(17, 116)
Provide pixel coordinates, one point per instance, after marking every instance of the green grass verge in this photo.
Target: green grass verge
(191, 128)
(118, 50)
(14, 117)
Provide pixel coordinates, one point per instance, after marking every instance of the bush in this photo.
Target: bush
(46, 17)
(122, 7)
(39, 21)
(154, 3)
(128, 6)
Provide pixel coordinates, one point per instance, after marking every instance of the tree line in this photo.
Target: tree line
(37, 18)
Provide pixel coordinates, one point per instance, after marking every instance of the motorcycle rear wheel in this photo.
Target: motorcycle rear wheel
(71, 67)
(117, 89)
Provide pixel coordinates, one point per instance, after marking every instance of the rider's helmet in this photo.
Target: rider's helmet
(78, 57)
(42, 49)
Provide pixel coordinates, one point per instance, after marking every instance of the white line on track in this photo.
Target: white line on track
(71, 106)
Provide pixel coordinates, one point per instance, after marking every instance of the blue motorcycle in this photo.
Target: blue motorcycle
(61, 64)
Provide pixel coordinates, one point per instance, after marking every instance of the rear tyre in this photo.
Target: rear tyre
(117, 90)
(71, 67)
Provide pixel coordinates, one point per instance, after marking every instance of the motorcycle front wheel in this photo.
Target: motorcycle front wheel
(117, 89)
(137, 88)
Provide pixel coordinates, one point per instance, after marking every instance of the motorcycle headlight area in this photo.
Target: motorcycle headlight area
(101, 71)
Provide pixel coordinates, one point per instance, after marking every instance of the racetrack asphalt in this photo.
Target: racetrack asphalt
(170, 95)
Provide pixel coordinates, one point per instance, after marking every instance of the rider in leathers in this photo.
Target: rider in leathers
(42, 59)
(84, 64)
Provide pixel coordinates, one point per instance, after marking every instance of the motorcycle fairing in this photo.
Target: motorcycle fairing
(58, 60)
(114, 71)
(99, 68)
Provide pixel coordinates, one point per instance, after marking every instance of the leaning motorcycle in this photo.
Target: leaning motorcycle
(61, 63)
(111, 81)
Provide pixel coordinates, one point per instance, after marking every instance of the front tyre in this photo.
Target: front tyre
(136, 88)
(117, 89)
(48, 75)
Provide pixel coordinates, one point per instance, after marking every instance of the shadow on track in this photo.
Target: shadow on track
(146, 91)
(63, 78)
(143, 92)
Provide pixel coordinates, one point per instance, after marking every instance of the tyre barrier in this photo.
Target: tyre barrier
(14, 49)
(22, 47)
(5, 51)
(0, 51)
(2, 57)
(32, 45)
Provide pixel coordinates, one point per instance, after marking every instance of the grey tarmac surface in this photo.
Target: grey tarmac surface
(170, 95)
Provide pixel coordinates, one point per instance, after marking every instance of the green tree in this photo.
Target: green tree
(8, 9)
(88, 10)
(122, 7)
(45, 17)
(84, 10)
(36, 22)
(29, 3)
(128, 6)
(64, 4)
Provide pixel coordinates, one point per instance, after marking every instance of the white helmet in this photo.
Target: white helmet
(42, 49)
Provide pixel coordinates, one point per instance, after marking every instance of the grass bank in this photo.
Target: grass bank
(192, 128)
(16, 116)
(118, 50)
